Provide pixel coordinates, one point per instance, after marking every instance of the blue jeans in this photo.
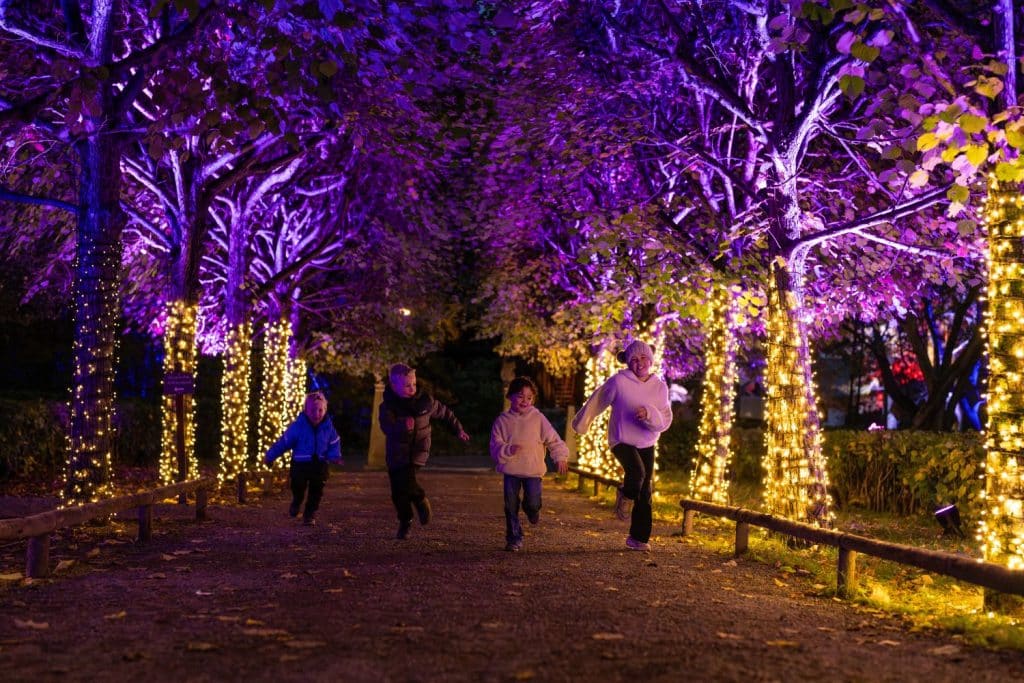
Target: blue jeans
(638, 465)
(531, 487)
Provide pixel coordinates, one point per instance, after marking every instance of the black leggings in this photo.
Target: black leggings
(638, 464)
(405, 490)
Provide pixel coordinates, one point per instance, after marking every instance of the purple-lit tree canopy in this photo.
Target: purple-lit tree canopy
(348, 184)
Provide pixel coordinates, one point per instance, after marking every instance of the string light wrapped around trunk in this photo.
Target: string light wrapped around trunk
(275, 408)
(179, 356)
(1001, 527)
(235, 402)
(796, 481)
(714, 445)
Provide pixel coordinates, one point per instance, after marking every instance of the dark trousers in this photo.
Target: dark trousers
(531, 488)
(312, 476)
(406, 492)
(638, 464)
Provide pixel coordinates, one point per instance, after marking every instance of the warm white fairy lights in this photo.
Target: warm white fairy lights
(295, 387)
(714, 453)
(235, 402)
(593, 452)
(91, 438)
(796, 481)
(1001, 527)
(273, 417)
(179, 356)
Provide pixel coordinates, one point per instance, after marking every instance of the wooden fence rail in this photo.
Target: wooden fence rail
(37, 528)
(978, 572)
(596, 478)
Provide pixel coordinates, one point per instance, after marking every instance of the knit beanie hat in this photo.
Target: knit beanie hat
(636, 348)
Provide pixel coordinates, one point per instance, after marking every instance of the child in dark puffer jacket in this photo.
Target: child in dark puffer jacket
(405, 416)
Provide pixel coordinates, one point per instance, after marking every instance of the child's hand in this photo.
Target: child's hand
(563, 466)
(641, 413)
(513, 449)
(409, 424)
(464, 436)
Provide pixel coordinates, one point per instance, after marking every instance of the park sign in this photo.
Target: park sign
(179, 383)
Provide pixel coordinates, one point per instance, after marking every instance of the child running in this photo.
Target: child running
(313, 442)
(405, 416)
(519, 438)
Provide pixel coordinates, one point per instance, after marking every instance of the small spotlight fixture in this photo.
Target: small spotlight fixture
(948, 518)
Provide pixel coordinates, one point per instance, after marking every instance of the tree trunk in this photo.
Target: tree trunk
(97, 273)
(1001, 528)
(796, 485)
(714, 452)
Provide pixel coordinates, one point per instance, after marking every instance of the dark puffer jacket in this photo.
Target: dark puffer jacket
(404, 446)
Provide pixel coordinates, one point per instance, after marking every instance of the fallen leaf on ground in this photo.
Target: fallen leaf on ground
(34, 625)
(730, 563)
(781, 584)
(157, 575)
(781, 643)
(334, 590)
(289, 575)
(945, 650)
(63, 566)
(525, 675)
(116, 615)
(888, 642)
(265, 632)
(607, 636)
(93, 553)
(167, 558)
(304, 644)
(199, 646)
(10, 577)
(728, 636)
(201, 592)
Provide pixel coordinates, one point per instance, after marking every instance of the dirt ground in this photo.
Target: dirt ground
(251, 594)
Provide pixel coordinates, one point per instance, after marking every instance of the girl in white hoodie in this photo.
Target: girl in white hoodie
(519, 438)
(641, 411)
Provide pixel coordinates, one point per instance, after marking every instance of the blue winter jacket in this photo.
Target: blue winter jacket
(305, 441)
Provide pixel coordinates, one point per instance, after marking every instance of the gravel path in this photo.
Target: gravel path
(252, 595)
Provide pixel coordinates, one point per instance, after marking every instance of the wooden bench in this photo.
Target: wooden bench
(986, 574)
(598, 479)
(37, 528)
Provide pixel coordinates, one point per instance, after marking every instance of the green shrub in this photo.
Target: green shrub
(905, 472)
(34, 437)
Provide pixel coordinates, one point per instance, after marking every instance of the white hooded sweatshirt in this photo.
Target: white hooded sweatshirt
(533, 435)
(626, 394)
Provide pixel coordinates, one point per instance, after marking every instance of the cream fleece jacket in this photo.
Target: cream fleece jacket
(625, 393)
(534, 435)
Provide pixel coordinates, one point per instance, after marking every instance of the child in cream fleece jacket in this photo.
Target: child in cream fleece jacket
(641, 411)
(519, 439)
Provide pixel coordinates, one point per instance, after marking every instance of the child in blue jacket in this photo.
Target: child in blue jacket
(313, 442)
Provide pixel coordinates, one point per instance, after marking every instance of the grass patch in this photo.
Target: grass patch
(923, 600)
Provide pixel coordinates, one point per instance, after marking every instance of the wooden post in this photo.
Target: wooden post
(742, 537)
(687, 522)
(582, 483)
(570, 433)
(145, 522)
(375, 453)
(179, 443)
(201, 498)
(241, 487)
(846, 573)
(597, 489)
(37, 559)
